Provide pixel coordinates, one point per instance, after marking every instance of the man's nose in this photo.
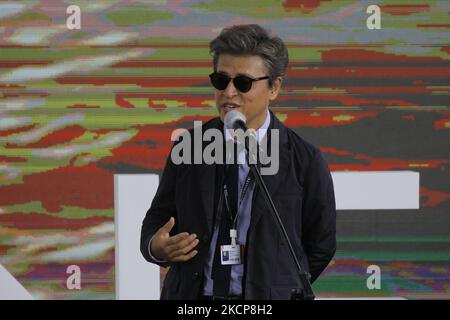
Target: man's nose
(230, 90)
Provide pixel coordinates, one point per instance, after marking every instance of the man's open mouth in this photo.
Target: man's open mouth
(229, 106)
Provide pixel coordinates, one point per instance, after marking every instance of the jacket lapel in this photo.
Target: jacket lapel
(208, 176)
(207, 180)
(272, 182)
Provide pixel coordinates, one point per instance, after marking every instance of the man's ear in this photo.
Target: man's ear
(276, 86)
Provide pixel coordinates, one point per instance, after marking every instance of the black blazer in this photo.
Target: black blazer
(302, 191)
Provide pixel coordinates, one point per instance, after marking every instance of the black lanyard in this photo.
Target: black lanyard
(244, 191)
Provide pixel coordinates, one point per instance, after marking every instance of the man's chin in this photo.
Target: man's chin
(223, 112)
(226, 110)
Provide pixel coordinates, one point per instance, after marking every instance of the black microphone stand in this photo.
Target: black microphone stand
(306, 292)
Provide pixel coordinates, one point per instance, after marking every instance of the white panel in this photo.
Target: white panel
(376, 190)
(135, 277)
(10, 288)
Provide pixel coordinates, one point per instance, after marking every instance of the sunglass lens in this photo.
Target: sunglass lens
(219, 81)
(243, 83)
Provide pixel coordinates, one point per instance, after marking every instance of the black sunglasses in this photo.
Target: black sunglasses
(242, 83)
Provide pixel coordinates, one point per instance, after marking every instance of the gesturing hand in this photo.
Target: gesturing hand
(176, 248)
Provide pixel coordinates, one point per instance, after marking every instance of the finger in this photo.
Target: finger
(169, 225)
(180, 242)
(171, 241)
(186, 249)
(185, 257)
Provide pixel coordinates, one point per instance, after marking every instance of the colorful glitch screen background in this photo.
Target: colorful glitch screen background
(78, 105)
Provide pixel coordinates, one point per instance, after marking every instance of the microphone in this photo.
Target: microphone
(235, 120)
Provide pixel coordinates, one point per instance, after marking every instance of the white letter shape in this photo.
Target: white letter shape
(373, 21)
(374, 280)
(74, 20)
(74, 281)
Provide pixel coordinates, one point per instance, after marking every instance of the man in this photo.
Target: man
(188, 225)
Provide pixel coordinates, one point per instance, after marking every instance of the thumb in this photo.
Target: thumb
(169, 225)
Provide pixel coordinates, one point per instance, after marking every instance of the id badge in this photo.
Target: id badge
(230, 254)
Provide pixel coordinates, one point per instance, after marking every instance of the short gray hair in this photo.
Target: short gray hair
(252, 39)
